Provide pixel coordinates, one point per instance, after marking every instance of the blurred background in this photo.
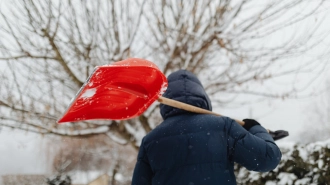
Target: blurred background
(266, 60)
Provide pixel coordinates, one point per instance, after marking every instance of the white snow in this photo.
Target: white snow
(304, 181)
(100, 129)
(119, 177)
(286, 178)
(116, 139)
(270, 183)
(88, 93)
(81, 177)
(163, 88)
(320, 163)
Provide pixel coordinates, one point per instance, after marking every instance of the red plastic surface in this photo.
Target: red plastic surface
(122, 90)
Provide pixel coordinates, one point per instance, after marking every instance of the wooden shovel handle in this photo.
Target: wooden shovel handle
(190, 108)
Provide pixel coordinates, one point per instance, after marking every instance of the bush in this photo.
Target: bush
(300, 165)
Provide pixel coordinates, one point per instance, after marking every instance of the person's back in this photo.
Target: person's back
(200, 149)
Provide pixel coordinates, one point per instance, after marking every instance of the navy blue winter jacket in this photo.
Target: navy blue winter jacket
(199, 149)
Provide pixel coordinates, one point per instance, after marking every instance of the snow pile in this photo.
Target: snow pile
(81, 177)
(300, 165)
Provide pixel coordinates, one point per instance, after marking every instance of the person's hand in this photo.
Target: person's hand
(278, 134)
(249, 123)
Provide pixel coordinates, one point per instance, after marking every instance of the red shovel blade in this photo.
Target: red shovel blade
(122, 90)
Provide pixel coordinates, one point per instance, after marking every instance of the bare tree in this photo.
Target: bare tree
(48, 50)
(94, 153)
(317, 118)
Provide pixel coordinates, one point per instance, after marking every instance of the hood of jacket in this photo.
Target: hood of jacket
(185, 87)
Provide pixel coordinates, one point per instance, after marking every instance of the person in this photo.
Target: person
(200, 149)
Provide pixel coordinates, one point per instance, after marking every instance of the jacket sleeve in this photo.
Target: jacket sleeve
(142, 171)
(254, 149)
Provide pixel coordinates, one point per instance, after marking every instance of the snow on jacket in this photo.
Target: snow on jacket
(199, 149)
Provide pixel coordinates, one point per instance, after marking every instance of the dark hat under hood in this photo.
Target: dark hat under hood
(185, 87)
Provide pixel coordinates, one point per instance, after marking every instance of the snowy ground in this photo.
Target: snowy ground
(21, 153)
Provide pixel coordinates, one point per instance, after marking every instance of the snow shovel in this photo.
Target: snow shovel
(122, 90)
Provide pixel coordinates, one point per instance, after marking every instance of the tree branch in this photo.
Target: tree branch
(61, 60)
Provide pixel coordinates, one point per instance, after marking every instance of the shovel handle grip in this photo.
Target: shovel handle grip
(190, 108)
